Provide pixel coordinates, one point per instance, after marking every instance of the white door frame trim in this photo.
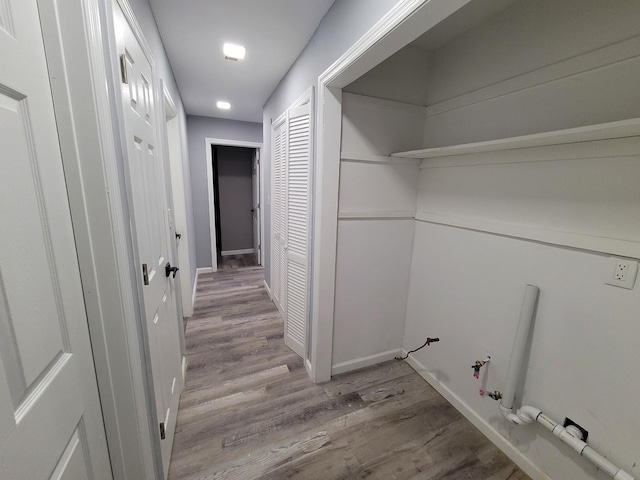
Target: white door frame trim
(223, 142)
(407, 20)
(185, 278)
(183, 304)
(255, 161)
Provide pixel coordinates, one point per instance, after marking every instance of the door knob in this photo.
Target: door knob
(168, 269)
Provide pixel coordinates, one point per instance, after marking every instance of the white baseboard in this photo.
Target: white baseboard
(362, 362)
(266, 287)
(481, 424)
(309, 367)
(193, 294)
(226, 253)
(195, 283)
(184, 369)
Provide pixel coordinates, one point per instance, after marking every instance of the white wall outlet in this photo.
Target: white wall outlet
(622, 272)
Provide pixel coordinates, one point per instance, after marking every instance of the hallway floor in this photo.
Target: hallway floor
(249, 410)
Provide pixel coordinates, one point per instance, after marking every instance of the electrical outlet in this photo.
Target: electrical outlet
(622, 272)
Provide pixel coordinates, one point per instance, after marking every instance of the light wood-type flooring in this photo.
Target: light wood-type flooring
(250, 411)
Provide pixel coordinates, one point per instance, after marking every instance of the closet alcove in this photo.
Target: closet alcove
(500, 148)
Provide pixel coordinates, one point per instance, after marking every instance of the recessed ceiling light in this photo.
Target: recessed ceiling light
(233, 52)
(223, 105)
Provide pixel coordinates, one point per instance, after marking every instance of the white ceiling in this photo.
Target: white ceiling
(274, 33)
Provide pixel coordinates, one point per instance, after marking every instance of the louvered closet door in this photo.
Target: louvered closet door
(282, 220)
(278, 213)
(297, 227)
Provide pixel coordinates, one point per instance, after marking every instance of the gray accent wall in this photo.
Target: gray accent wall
(235, 187)
(199, 129)
(345, 22)
(144, 15)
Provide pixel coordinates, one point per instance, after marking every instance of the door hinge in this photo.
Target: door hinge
(145, 274)
(123, 68)
(163, 434)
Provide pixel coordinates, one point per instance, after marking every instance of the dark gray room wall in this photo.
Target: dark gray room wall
(345, 22)
(199, 129)
(235, 166)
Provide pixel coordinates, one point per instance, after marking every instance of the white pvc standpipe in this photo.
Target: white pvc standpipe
(517, 353)
(576, 443)
(528, 414)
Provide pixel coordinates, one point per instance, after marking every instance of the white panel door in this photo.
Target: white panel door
(148, 192)
(298, 168)
(50, 417)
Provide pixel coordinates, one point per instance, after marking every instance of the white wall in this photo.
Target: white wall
(578, 194)
(538, 66)
(379, 127)
(467, 287)
(535, 67)
(402, 77)
(375, 230)
(200, 128)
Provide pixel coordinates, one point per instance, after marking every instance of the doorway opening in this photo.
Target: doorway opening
(234, 177)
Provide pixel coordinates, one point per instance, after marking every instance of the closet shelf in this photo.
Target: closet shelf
(370, 158)
(589, 133)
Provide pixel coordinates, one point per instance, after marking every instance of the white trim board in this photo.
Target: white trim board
(581, 241)
(403, 23)
(488, 431)
(263, 206)
(377, 159)
(377, 215)
(357, 363)
(172, 143)
(602, 149)
(201, 270)
(380, 103)
(588, 133)
(223, 142)
(601, 57)
(244, 251)
(266, 287)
